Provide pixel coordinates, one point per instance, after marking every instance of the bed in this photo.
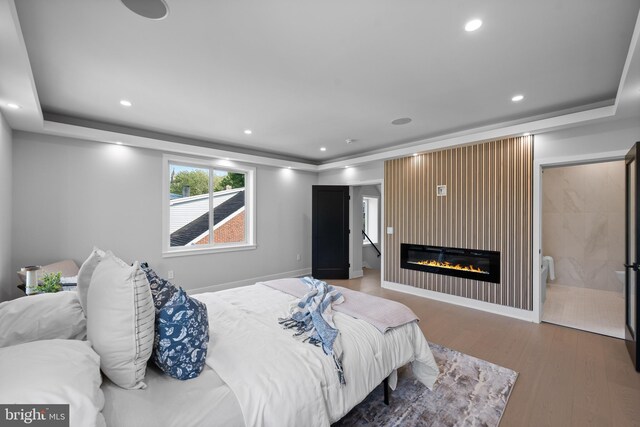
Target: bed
(258, 374)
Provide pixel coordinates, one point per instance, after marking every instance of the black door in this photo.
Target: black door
(330, 232)
(632, 300)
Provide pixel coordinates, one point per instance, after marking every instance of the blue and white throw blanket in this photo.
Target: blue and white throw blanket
(312, 318)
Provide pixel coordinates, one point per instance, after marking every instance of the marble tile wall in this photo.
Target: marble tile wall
(583, 223)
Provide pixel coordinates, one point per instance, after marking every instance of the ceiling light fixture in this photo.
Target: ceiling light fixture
(248, 131)
(346, 167)
(473, 25)
(415, 154)
(517, 98)
(13, 106)
(401, 121)
(349, 140)
(125, 103)
(323, 148)
(526, 134)
(118, 143)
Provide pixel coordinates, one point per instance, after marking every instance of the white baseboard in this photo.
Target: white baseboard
(247, 282)
(356, 274)
(465, 302)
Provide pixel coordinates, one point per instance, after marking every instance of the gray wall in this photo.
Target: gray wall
(7, 273)
(74, 194)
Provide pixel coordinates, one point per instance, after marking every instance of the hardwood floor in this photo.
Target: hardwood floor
(566, 377)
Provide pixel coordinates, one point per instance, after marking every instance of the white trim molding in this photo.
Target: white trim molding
(538, 165)
(502, 310)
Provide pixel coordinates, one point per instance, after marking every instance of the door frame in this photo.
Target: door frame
(354, 235)
(538, 165)
(631, 338)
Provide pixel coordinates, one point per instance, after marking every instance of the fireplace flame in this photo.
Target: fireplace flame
(450, 266)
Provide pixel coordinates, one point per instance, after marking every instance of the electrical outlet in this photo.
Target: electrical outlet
(298, 257)
(170, 274)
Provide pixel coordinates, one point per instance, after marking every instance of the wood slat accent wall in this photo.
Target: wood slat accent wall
(488, 206)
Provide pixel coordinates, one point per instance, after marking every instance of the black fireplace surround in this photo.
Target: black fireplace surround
(466, 263)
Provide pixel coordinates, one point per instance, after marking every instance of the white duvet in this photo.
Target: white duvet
(280, 381)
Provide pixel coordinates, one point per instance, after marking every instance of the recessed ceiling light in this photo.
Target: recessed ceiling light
(415, 154)
(349, 140)
(248, 131)
(526, 134)
(125, 103)
(517, 98)
(118, 143)
(13, 106)
(323, 148)
(288, 167)
(473, 25)
(401, 121)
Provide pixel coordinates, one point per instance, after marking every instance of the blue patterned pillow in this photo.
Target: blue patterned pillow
(161, 290)
(181, 337)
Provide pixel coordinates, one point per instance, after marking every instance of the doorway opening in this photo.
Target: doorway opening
(366, 237)
(583, 246)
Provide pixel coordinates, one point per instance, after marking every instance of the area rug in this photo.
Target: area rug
(468, 392)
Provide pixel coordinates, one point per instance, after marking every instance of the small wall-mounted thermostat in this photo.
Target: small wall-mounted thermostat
(441, 190)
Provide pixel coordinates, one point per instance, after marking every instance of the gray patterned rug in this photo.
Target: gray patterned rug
(468, 392)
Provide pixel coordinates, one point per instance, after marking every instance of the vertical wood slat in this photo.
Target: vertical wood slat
(488, 206)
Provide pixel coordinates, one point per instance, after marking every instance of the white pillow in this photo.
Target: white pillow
(42, 317)
(121, 323)
(85, 273)
(54, 372)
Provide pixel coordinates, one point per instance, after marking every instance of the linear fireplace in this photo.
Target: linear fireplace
(466, 263)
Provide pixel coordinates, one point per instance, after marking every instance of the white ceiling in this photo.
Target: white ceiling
(305, 74)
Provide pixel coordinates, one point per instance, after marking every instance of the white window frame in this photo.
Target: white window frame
(364, 239)
(249, 206)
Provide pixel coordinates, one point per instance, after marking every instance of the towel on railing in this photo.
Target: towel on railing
(312, 318)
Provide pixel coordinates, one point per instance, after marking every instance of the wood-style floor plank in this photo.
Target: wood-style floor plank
(566, 377)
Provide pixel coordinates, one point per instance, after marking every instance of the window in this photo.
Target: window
(370, 218)
(208, 206)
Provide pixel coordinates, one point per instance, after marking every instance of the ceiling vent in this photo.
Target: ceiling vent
(151, 9)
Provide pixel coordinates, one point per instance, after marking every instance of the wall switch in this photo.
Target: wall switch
(170, 274)
(389, 230)
(298, 257)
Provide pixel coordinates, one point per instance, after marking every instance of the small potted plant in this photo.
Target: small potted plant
(50, 283)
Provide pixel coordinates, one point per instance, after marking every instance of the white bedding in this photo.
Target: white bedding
(279, 381)
(168, 402)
